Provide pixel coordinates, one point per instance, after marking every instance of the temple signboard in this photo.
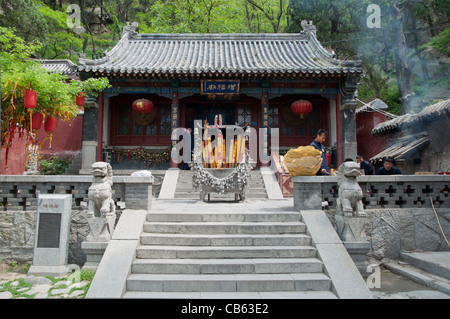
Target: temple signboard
(220, 86)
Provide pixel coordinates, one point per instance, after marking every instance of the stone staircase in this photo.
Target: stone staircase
(184, 189)
(226, 250)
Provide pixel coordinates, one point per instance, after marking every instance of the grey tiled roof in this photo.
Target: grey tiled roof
(65, 67)
(430, 112)
(403, 147)
(219, 55)
(376, 104)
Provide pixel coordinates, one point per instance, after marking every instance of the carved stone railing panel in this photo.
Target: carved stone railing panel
(395, 191)
(19, 193)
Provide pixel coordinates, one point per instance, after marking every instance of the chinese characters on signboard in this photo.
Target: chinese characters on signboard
(220, 87)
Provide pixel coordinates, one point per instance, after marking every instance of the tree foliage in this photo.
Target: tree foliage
(55, 96)
(393, 55)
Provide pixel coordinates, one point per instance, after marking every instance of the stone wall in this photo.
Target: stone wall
(400, 216)
(391, 231)
(17, 234)
(18, 201)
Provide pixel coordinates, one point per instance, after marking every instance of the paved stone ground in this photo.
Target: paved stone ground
(16, 285)
(393, 286)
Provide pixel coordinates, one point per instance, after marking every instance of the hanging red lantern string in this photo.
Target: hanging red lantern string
(80, 99)
(30, 99)
(49, 127)
(301, 107)
(143, 106)
(37, 118)
(30, 102)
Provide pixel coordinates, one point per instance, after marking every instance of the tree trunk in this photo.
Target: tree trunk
(415, 41)
(403, 70)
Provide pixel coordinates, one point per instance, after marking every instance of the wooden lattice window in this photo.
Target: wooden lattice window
(131, 128)
(244, 114)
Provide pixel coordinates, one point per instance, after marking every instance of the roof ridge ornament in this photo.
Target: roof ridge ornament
(308, 27)
(130, 28)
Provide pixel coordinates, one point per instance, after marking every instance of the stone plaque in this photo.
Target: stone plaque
(49, 230)
(51, 242)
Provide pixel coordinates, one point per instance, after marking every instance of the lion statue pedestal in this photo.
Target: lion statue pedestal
(101, 214)
(350, 216)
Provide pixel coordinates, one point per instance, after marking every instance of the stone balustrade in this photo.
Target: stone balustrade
(395, 191)
(19, 193)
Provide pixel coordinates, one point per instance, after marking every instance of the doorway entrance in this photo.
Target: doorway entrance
(207, 111)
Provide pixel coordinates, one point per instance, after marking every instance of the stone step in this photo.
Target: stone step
(213, 196)
(231, 295)
(228, 282)
(225, 227)
(203, 252)
(187, 195)
(223, 217)
(257, 195)
(434, 262)
(225, 240)
(189, 189)
(227, 266)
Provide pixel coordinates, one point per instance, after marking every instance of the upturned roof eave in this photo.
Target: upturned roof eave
(299, 54)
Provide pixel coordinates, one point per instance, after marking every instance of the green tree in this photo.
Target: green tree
(25, 17)
(55, 96)
(189, 16)
(267, 15)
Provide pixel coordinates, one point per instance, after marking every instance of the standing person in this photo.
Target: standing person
(186, 166)
(388, 168)
(365, 165)
(318, 144)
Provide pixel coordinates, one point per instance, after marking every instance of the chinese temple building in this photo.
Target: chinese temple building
(249, 79)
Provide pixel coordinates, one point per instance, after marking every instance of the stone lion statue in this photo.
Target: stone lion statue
(349, 202)
(101, 203)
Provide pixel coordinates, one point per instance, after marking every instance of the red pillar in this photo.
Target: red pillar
(175, 114)
(340, 143)
(265, 124)
(100, 127)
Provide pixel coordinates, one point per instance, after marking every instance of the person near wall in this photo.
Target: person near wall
(365, 165)
(187, 166)
(318, 144)
(388, 168)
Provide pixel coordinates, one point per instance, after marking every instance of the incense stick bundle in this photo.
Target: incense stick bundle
(210, 154)
(224, 161)
(219, 150)
(230, 153)
(204, 154)
(237, 147)
(241, 150)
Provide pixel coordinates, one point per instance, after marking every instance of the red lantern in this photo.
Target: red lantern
(37, 119)
(80, 99)
(143, 106)
(301, 107)
(30, 100)
(50, 124)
